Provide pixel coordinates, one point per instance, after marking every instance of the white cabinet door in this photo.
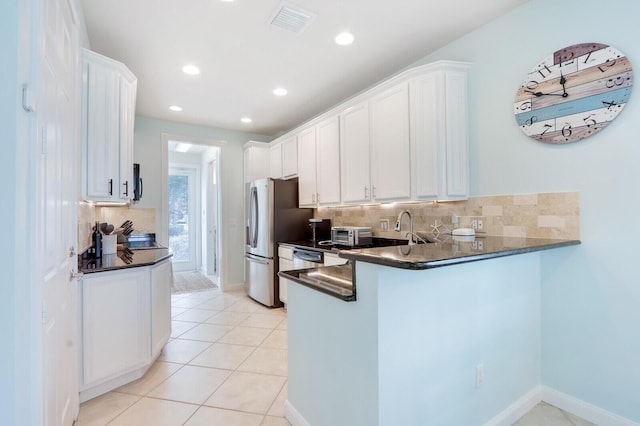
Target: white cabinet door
(285, 263)
(354, 154)
(256, 162)
(390, 145)
(115, 324)
(328, 162)
(161, 281)
(108, 101)
(127, 117)
(289, 158)
(100, 129)
(307, 189)
(439, 136)
(275, 161)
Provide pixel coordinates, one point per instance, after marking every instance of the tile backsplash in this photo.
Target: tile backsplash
(543, 215)
(144, 220)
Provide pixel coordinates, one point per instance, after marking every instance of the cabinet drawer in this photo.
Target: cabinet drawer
(285, 252)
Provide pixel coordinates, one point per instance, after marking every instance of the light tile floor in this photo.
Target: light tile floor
(225, 364)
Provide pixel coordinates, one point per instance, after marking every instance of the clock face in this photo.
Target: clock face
(573, 93)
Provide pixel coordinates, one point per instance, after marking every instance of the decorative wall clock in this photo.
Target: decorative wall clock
(573, 93)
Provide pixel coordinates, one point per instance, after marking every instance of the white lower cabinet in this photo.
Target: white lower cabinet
(161, 281)
(126, 320)
(285, 263)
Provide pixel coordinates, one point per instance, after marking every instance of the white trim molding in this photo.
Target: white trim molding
(294, 417)
(583, 409)
(561, 400)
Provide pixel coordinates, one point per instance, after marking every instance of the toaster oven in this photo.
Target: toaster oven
(352, 236)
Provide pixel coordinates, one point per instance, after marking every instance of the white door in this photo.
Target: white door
(183, 221)
(212, 219)
(56, 210)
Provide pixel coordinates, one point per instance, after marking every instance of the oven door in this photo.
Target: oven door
(305, 259)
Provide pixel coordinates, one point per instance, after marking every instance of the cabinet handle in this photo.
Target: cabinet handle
(110, 186)
(126, 188)
(317, 198)
(366, 193)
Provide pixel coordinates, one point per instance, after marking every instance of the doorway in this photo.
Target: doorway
(183, 208)
(192, 213)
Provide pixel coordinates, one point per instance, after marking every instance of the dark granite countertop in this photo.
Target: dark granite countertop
(452, 251)
(326, 246)
(123, 259)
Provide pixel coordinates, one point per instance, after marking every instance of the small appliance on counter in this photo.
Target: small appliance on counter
(320, 229)
(351, 236)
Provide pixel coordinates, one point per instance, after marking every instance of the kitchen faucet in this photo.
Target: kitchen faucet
(399, 222)
(409, 234)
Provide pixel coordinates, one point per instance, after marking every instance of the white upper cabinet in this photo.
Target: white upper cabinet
(403, 140)
(328, 161)
(289, 158)
(307, 189)
(275, 161)
(439, 134)
(319, 164)
(354, 154)
(256, 161)
(108, 114)
(390, 145)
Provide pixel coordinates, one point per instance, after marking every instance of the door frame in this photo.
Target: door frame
(222, 211)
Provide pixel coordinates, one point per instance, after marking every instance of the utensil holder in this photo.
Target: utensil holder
(109, 244)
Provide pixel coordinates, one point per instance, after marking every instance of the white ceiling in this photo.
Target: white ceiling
(242, 58)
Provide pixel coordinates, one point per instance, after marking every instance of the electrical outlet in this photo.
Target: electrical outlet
(480, 224)
(384, 224)
(479, 375)
(474, 223)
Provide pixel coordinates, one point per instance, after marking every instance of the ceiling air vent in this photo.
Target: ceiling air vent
(291, 18)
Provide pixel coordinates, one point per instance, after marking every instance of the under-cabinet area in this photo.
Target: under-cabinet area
(125, 320)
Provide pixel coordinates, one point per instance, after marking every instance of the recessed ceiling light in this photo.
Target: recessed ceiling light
(246, 120)
(191, 70)
(175, 108)
(344, 39)
(280, 91)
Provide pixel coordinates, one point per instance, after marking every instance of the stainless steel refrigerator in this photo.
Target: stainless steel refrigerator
(273, 216)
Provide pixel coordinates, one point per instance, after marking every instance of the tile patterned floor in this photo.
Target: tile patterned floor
(225, 364)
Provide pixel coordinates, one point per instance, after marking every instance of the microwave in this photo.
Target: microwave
(351, 236)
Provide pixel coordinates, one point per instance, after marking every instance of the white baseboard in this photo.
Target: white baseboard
(561, 400)
(583, 409)
(294, 417)
(518, 409)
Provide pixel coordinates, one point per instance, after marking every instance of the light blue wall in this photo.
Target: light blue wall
(436, 326)
(8, 122)
(590, 295)
(147, 149)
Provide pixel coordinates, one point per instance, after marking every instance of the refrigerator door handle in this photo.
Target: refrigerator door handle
(253, 218)
(256, 260)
